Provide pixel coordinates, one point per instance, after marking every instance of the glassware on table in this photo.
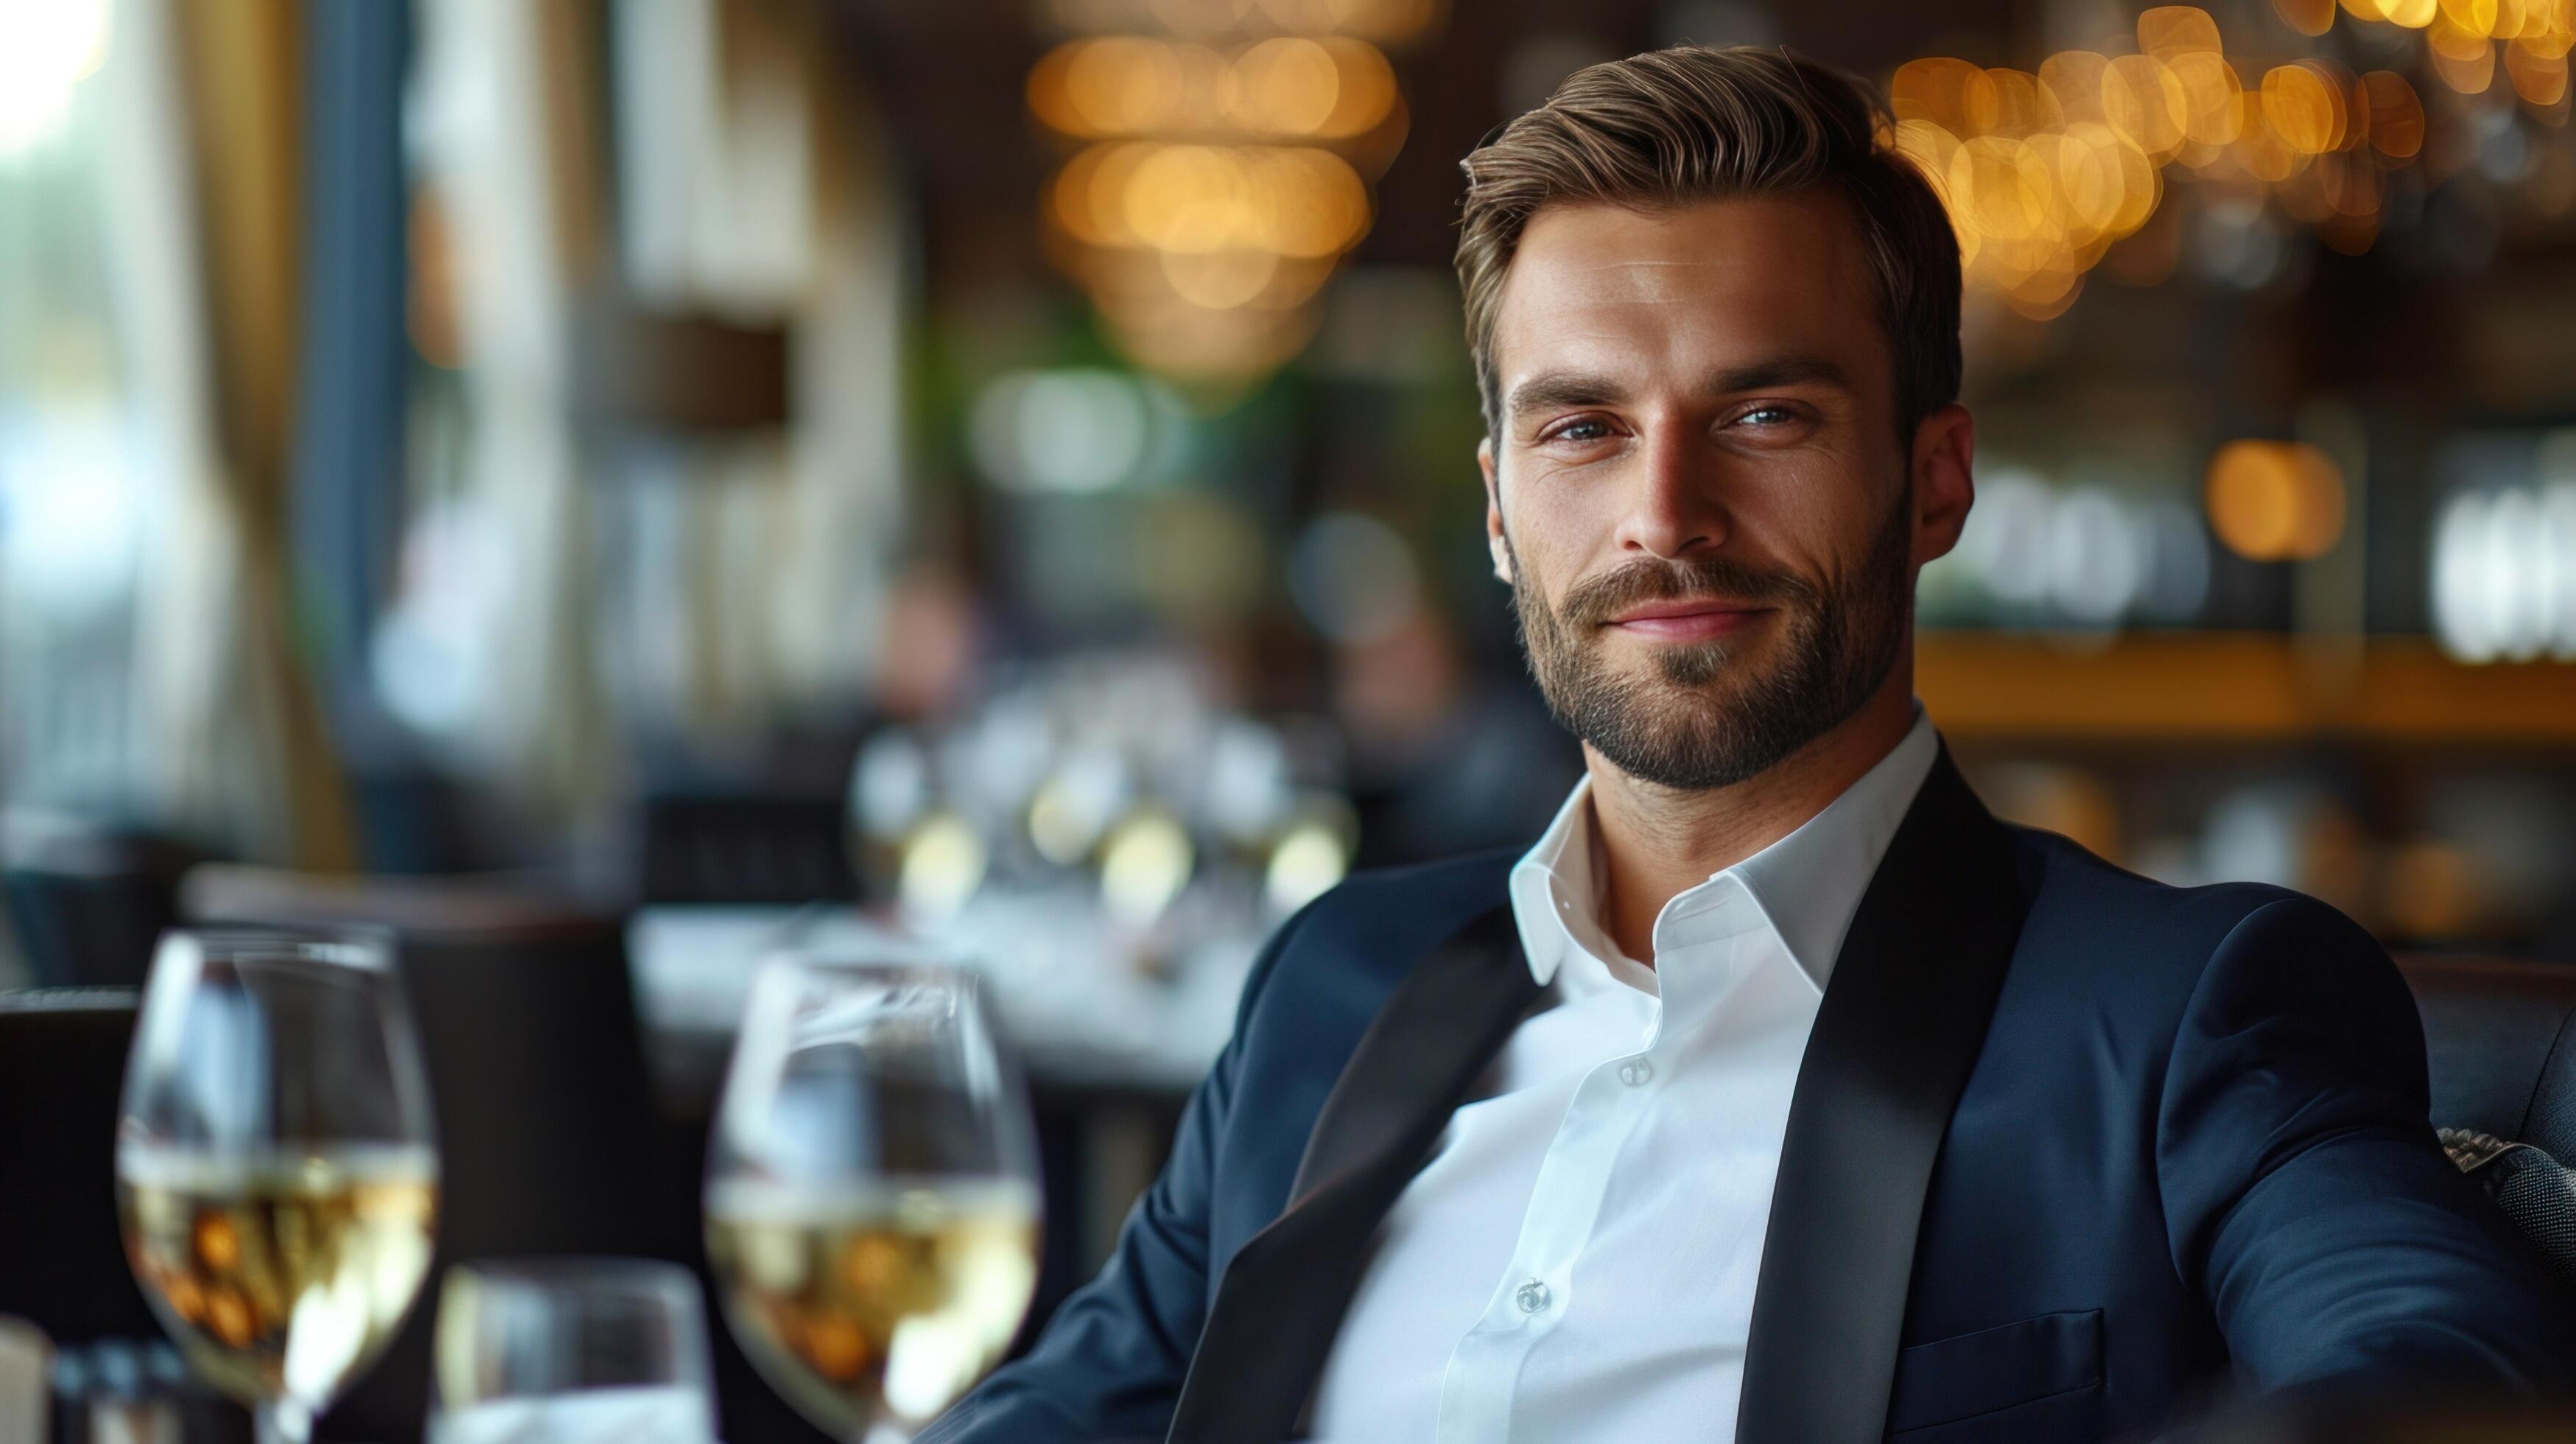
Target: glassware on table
(566, 1351)
(276, 1172)
(872, 1199)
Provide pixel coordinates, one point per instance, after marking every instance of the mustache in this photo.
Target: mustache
(1594, 601)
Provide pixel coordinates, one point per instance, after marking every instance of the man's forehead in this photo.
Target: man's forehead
(1600, 284)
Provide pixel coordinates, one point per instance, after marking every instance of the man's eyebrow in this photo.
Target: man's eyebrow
(1793, 369)
(1550, 390)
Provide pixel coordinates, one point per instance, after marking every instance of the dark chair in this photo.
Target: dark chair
(2501, 1039)
(89, 903)
(549, 1139)
(62, 1067)
(744, 849)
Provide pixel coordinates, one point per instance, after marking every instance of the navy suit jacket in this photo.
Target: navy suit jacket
(2070, 1150)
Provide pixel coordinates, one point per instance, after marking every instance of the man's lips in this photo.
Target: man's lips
(1686, 621)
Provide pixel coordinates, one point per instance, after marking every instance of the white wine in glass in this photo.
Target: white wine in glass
(872, 1207)
(276, 1176)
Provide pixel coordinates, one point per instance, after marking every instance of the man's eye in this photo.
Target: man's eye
(1585, 430)
(1766, 416)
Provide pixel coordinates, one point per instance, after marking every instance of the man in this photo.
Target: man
(1778, 1092)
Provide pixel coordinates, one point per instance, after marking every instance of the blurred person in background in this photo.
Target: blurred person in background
(1778, 1091)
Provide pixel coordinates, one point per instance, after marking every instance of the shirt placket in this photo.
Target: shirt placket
(1616, 1095)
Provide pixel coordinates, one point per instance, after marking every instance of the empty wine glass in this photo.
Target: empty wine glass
(872, 1199)
(276, 1173)
(564, 1351)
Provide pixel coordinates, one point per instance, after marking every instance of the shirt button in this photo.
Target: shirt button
(1635, 1072)
(1532, 1296)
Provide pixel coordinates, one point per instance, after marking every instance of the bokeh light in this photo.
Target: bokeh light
(1311, 856)
(2085, 555)
(2275, 501)
(1077, 430)
(46, 50)
(1218, 171)
(1145, 861)
(2539, 77)
(2304, 106)
(1383, 21)
(2469, 75)
(2503, 585)
(2308, 17)
(2045, 172)
(2396, 115)
(1354, 578)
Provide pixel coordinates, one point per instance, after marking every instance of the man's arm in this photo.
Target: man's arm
(2303, 1188)
(1110, 1364)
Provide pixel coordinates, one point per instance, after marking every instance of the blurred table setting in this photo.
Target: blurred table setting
(552, 1098)
(1103, 844)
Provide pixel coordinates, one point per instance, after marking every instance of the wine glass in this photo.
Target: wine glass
(571, 1349)
(276, 1174)
(872, 1199)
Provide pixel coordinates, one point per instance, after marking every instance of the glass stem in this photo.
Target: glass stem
(283, 1421)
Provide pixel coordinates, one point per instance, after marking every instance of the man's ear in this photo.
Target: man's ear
(1494, 511)
(1945, 483)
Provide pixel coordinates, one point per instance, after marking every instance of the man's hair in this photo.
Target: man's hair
(1691, 123)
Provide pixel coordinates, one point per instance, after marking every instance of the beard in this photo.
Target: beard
(1715, 713)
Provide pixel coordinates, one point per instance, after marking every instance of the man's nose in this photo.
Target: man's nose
(1673, 507)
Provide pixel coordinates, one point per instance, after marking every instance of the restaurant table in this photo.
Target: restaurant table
(1074, 1013)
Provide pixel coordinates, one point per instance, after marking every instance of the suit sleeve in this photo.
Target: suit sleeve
(1109, 1365)
(2305, 1193)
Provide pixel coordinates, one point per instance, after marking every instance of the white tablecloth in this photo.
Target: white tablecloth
(1071, 1002)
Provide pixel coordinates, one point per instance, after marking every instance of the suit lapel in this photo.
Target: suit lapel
(1280, 1303)
(1435, 1033)
(1900, 1027)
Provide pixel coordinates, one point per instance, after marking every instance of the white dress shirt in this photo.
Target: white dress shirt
(1578, 1258)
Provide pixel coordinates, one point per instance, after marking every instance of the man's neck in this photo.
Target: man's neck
(1660, 841)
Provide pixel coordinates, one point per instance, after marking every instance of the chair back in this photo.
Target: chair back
(2500, 1038)
(89, 904)
(62, 1068)
(744, 849)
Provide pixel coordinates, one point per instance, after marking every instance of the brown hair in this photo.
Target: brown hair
(1692, 123)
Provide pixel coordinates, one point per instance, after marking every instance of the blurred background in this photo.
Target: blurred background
(677, 463)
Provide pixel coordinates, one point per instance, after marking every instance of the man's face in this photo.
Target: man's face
(1695, 486)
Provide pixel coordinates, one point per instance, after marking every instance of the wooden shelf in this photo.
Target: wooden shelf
(2232, 687)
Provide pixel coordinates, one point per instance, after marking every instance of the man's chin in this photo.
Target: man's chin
(1684, 753)
(1657, 668)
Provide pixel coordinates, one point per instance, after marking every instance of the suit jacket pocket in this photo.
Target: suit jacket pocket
(2046, 1371)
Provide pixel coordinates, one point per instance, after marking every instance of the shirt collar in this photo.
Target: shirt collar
(1809, 883)
(1556, 889)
